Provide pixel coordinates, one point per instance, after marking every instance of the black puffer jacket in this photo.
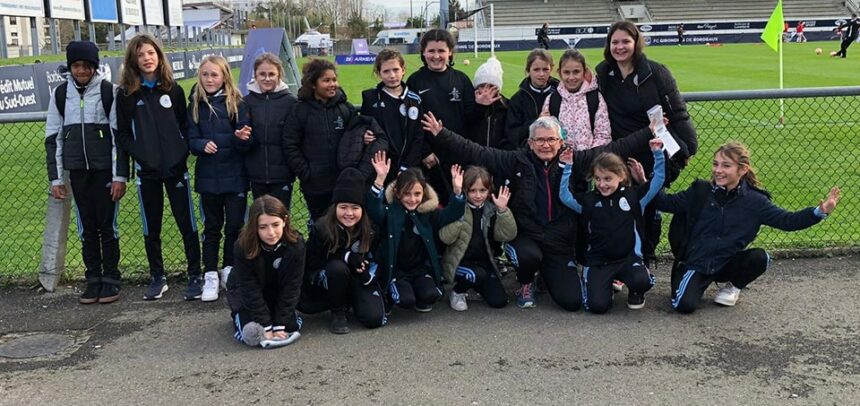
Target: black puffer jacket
(269, 293)
(489, 130)
(629, 99)
(518, 167)
(266, 162)
(524, 108)
(311, 138)
(402, 127)
(223, 171)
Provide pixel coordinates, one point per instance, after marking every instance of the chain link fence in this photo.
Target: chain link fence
(802, 144)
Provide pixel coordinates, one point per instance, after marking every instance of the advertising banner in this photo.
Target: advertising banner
(153, 14)
(18, 90)
(66, 9)
(173, 12)
(130, 12)
(22, 8)
(102, 11)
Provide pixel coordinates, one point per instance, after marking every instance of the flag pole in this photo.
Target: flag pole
(781, 85)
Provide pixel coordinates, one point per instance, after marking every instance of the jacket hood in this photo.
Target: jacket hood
(253, 86)
(589, 83)
(426, 206)
(551, 84)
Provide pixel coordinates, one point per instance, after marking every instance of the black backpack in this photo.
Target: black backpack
(681, 228)
(107, 97)
(591, 98)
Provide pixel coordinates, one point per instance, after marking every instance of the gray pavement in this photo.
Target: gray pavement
(793, 338)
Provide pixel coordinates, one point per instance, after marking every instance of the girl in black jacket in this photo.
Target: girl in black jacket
(398, 111)
(339, 273)
(264, 287)
(526, 104)
(271, 104)
(151, 125)
(218, 134)
(631, 85)
(313, 132)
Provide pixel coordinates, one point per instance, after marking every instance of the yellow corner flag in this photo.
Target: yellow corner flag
(772, 34)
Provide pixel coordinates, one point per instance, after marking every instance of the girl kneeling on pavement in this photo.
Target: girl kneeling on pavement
(468, 258)
(612, 213)
(410, 218)
(339, 273)
(722, 218)
(263, 288)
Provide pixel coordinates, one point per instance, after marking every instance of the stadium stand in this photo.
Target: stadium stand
(710, 10)
(554, 12)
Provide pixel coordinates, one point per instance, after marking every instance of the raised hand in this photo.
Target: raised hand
(566, 156)
(431, 124)
(637, 172)
(381, 165)
(487, 95)
(827, 205)
(501, 200)
(457, 179)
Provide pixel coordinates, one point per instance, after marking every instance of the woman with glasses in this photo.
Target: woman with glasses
(546, 229)
(632, 84)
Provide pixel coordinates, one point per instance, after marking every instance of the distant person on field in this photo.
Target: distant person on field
(849, 30)
(801, 37)
(543, 36)
(723, 217)
(632, 84)
(680, 34)
(526, 104)
(79, 139)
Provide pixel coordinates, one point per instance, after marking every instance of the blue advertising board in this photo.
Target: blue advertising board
(102, 11)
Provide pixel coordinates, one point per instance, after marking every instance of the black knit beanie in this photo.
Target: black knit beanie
(351, 187)
(82, 51)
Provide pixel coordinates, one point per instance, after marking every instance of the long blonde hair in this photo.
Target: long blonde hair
(741, 155)
(130, 77)
(230, 89)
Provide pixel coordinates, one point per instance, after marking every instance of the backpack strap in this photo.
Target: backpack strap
(593, 100)
(107, 97)
(60, 98)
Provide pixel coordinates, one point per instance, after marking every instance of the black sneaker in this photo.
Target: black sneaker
(635, 300)
(109, 293)
(423, 308)
(338, 323)
(91, 294)
(194, 289)
(156, 288)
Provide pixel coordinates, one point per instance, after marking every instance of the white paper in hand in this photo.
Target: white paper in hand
(655, 114)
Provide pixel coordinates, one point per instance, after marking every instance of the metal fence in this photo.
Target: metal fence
(803, 141)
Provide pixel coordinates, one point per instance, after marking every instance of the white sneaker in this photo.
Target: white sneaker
(458, 301)
(727, 295)
(224, 274)
(210, 287)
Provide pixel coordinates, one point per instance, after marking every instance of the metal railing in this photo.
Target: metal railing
(803, 141)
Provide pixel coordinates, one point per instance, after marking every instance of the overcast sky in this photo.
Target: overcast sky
(394, 8)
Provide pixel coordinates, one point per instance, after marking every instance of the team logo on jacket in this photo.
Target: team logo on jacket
(338, 124)
(623, 204)
(403, 110)
(413, 113)
(455, 94)
(165, 101)
(277, 263)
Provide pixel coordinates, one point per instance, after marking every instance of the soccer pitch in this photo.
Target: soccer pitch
(797, 162)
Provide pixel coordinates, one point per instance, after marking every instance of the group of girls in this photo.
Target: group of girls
(394, 216)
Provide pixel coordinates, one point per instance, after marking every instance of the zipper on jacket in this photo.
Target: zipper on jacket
(548, 195)
(83, 133)
(265, 145)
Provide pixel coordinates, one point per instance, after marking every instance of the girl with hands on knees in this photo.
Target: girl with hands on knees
(721, 218)
(340, 272)
(468, 261)
(219, 134)
(264, 286)
(407, 212)
(613, 215)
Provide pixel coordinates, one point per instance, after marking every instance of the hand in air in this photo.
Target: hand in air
(501, 199)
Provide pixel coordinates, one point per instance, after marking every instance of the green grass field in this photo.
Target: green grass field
(816, 148)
